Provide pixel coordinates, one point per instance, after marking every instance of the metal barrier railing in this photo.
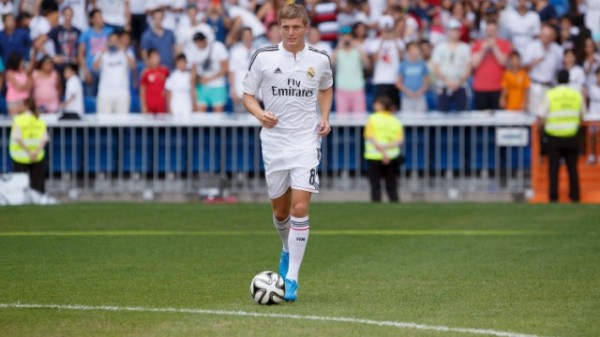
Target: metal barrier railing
(143, 155)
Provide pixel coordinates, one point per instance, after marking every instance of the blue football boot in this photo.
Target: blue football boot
(291, 289)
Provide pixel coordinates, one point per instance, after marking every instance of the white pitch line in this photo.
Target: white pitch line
(401, 325)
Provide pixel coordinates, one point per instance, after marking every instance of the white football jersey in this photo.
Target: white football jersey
(289, 86)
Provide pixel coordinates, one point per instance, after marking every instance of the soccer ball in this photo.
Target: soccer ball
(267, 288)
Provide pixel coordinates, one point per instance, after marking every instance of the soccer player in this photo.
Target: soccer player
(294, 80)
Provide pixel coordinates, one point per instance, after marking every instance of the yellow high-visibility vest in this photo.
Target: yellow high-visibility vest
(564, 113)
(33, 132)
(386, 129)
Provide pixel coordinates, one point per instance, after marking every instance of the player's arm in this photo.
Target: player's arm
(266, 118)
(325, 98)
(252, 84)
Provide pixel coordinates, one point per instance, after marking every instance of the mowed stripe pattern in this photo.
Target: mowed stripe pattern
(353, 232)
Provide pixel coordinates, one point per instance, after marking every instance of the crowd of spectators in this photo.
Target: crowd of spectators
(185, 56)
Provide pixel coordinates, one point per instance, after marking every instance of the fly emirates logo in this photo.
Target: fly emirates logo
(294, 89)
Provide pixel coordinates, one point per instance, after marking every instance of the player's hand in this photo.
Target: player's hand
(324, 128)
(267, 119)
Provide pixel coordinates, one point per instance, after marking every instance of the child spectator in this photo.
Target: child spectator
(152, 85)
(46, 86)
(413, 80)
(74, 91)
(515, 85)
(383, 136)
(18, 84)
(179, 89)
(114, 64)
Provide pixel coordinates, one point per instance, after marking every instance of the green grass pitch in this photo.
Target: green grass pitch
(506, 268)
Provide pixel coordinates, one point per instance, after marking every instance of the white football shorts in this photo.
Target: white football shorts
(296, 169)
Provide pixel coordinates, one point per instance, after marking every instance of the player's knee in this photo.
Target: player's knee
(300, 210)
(281, 213)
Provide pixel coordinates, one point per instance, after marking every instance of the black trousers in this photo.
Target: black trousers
(567, 148)
(37, 174)
(378, 170)
(487, 100)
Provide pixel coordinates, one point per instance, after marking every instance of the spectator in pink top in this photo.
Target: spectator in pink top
(18, 84)
(489, 58)
(46, 86)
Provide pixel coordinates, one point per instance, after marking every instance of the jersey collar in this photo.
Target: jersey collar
(289, 54)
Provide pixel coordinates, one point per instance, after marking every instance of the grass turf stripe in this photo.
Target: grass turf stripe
(353, 232)
(400, 325)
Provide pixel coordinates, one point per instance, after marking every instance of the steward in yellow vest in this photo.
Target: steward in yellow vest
(561, 115)
(28, 137)
(383, 136)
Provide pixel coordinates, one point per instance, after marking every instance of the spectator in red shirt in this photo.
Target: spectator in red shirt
(152, 85)
(489, 58)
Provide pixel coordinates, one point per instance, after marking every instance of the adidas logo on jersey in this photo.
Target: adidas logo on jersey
(277, 71)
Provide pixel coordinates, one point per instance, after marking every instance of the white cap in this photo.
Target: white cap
(386, 22)
(453, 24)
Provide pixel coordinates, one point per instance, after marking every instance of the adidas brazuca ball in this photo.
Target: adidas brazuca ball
(267, 288)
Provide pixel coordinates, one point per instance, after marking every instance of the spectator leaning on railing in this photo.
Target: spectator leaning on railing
(47, 87)
(73, 91)
(515, 85)
(18, 83)
(452, 67)
(413, 80)
(178, 89)
(152, 85)
(381, 27)
(209, 62)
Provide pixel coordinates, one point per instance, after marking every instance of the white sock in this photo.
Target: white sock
(297, 241)
(283, 228)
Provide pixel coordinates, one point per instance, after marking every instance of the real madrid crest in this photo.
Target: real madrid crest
(310, 73)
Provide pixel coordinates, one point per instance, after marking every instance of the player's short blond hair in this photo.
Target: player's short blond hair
(292, 11)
